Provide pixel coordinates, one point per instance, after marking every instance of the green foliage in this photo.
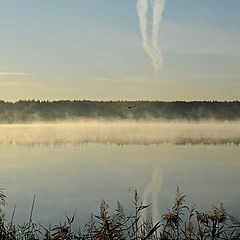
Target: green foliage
(31, 110)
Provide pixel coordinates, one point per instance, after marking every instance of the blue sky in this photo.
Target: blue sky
(92, 49)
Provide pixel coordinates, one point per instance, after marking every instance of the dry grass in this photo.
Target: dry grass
(179, 222)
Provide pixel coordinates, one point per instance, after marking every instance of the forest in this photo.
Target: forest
(35, 110)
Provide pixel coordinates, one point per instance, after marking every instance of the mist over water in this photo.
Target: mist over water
(86, 169)
(121, 132)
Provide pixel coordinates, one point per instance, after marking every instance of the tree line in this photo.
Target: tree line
(35, 110)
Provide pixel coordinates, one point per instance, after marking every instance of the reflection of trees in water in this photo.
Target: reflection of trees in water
(233, 141)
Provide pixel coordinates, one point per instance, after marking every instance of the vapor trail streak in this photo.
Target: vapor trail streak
(158, 8)
(142, 9)
(153, 49)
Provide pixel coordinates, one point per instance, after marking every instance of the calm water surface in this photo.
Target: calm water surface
(69, 178)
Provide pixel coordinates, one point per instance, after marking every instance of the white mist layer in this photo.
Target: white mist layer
(121, 132)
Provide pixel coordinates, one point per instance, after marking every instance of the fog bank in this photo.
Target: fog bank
(121, 132)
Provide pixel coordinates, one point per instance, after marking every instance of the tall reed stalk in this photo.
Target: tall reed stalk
(178, 223)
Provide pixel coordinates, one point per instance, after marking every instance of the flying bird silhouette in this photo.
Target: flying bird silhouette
(130, 107)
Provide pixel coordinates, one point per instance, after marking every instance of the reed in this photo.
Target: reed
(180, 222)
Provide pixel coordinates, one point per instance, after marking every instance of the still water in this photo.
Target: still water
(72, 178)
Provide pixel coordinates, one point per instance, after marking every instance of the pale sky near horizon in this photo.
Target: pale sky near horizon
(92, 49)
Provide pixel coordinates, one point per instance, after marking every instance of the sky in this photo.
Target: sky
(92, 49)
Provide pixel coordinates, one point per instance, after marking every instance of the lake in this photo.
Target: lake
(73, 167)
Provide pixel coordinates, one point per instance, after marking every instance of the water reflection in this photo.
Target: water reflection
(70, 178)
(151, 194)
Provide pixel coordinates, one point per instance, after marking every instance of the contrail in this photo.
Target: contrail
(153, 49)
(158, 7)
(142, 9)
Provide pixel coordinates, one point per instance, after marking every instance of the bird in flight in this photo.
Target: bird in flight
(130, 107)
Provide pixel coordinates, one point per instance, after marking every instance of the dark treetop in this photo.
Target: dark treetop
(32, 110)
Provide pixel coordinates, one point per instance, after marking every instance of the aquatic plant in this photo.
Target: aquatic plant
(180, 222)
